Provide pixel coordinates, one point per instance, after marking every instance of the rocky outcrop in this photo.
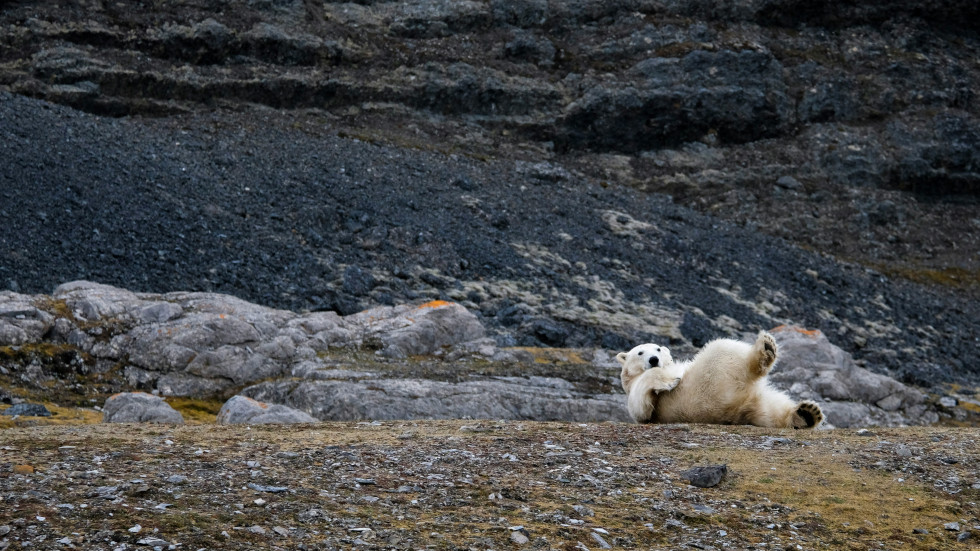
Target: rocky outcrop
(202, 344)
(810, 367)
(290, 367)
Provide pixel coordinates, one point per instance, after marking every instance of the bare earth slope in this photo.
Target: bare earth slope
(586, 173)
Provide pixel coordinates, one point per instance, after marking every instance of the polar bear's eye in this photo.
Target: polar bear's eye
(640, 353)
(658, 349)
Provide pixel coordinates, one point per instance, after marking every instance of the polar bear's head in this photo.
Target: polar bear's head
(646, 356)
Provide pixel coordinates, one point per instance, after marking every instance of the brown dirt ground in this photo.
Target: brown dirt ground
(471, 484)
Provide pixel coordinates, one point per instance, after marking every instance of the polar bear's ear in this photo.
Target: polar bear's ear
(621, 357)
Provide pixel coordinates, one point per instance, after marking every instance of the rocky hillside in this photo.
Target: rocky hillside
(581, 174)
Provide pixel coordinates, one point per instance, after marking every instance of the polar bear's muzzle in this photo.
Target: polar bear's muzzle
(654, 361)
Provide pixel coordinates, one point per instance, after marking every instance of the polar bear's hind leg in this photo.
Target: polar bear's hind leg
(807, 416)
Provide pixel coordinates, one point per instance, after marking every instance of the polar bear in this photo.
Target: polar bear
(725, 383)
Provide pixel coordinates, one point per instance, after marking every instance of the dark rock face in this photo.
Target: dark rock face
(515, 156)
(737, 97)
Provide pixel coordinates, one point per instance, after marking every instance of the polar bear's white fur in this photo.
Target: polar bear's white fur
(725, 383)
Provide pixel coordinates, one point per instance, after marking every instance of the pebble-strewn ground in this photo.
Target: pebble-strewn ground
(485, 485)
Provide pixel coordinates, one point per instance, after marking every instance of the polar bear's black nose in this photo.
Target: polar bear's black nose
(654, 361)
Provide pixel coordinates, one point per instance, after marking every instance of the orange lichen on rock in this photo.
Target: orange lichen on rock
(435, 304)
(262, 405)
(812, 333)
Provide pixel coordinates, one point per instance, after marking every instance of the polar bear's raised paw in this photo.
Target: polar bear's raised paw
(807, 416)
(765, 352)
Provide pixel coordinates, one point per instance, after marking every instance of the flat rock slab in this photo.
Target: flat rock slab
(540, 398)
(36, 410)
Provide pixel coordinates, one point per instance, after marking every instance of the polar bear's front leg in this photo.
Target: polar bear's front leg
(670, 384)
(763, 355)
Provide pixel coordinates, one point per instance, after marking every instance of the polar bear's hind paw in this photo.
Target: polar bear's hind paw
(807, 416)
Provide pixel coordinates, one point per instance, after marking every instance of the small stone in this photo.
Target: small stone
(260, 502)
(365, 481)
(176, 479)
(153, 542)
(106, 492)
(952, 526)
(519, 537)
(704, 509)
(281, 531)
(963, 536)
(135, 529)
(269, 489)
(920, 531)
(788, 182)
(602, 543)
(706, 477)
(948, 402)
(864, 432)
(583, 511)
(257, 530)
(903, 451)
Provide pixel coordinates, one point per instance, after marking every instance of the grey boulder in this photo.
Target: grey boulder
(139, 407)
(241, 409)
